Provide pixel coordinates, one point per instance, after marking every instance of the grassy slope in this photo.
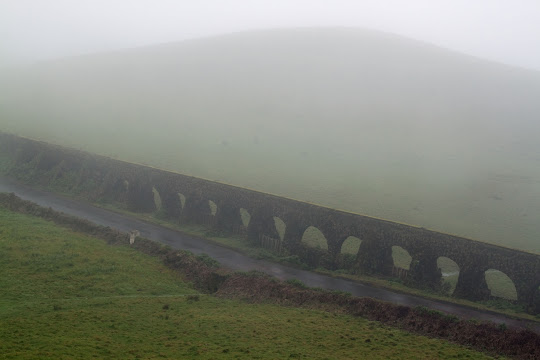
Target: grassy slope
(67, 295)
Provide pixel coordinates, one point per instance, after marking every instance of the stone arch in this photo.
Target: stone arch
(534, 306)
(140, 198)
(314, 238)
(116, 189)
(500, 285)
(47, 161)
(245, 216)
(213, 207)
(280, 227)
(182, 198)
(26, 155)
(351, 245)
(401, 257)
(449, 273)
(157, 198)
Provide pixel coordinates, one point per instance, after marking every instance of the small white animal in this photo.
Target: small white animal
(132, 235)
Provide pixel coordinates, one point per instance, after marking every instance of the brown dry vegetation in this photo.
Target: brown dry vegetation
(484, 336)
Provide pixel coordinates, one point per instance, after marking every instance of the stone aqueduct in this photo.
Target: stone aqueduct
(189, 199)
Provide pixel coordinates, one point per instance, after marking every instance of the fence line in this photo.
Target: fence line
(399, 272)
(239, 230)
(271, 243)
(208, 220)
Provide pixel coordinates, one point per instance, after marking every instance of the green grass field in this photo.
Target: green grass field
(66, 295)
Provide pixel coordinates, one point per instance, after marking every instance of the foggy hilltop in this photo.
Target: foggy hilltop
(352, 119)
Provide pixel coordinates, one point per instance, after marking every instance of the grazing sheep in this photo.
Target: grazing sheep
(132, 235)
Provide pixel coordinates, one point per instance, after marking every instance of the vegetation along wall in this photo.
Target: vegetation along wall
(345, 240)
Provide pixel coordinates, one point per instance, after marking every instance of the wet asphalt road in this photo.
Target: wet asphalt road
(236, 261)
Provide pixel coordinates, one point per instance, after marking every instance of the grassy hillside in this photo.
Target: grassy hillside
(351, 119)
(66, 295)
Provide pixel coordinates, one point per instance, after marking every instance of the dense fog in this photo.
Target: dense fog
(351, 119)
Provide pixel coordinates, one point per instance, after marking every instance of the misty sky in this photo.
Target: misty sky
(507, 31)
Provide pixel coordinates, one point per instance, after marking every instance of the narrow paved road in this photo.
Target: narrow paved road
(236, 261)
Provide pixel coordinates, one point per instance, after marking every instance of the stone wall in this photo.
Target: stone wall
(189, 199)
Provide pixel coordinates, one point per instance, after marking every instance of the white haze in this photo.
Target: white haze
(351, 119)
(506, 31)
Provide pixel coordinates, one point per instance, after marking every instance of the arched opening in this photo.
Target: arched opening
(314, 238)
(269, 241)
(500, 284)
(182, 200)
(126, 185)
(245, 216)
(280, 227)
(157, 198)
(401, 257)
(535, 305)
(351, 245)
(213, 207)
(449, 274)
(241, 230)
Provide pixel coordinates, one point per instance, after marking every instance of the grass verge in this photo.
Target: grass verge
(67, 295)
